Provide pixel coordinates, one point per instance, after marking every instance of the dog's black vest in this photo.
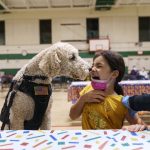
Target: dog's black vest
(31, 89)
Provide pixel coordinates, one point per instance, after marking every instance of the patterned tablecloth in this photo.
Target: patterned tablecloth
(74, 139)
(130, 88)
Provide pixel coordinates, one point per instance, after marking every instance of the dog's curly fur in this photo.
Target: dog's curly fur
(59, 59)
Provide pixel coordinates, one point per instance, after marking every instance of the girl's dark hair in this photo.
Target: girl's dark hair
(115, 62)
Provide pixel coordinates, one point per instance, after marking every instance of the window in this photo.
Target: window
(144, 29)
(92, 26)
(45, 32)
(2, 32)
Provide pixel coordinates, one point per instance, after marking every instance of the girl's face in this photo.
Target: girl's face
(100, 69)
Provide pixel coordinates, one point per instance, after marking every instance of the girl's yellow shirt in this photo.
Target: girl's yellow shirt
(109, 114)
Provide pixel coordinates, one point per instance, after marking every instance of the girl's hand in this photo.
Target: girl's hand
(94, 96)
(135, 127)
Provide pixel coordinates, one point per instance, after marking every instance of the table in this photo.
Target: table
(130, 88)
(74, 139)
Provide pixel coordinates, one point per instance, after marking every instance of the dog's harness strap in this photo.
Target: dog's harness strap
(4, 116)
(32, 78)
(6, 113)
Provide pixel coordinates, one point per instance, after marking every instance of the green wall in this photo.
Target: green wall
(83, 55)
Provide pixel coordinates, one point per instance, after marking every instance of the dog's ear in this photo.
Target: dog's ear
(50, 63)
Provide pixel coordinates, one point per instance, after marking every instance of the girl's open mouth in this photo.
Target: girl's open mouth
(96, 77)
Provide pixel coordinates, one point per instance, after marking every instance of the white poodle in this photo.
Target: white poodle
(29, 97)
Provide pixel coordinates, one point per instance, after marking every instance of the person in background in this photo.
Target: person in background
(134, 74)
(100, 102)
(143, 74)
(149, 74)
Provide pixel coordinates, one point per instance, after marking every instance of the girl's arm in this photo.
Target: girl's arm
(93, 96)
(77, 108)
(137, 124)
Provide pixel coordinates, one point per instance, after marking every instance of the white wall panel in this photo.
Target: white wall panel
(22, 31)
(13, 64)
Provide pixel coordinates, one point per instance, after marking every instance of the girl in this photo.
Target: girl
(109, 114)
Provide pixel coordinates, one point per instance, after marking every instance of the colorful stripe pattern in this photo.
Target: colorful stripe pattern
(74, 139)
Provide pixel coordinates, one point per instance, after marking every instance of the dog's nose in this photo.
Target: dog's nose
(90, 69)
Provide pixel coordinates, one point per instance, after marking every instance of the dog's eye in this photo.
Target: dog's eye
(73, 57)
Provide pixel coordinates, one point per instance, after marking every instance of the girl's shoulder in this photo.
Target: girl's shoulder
(115, 97)
(116, 100)
(86, 89)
